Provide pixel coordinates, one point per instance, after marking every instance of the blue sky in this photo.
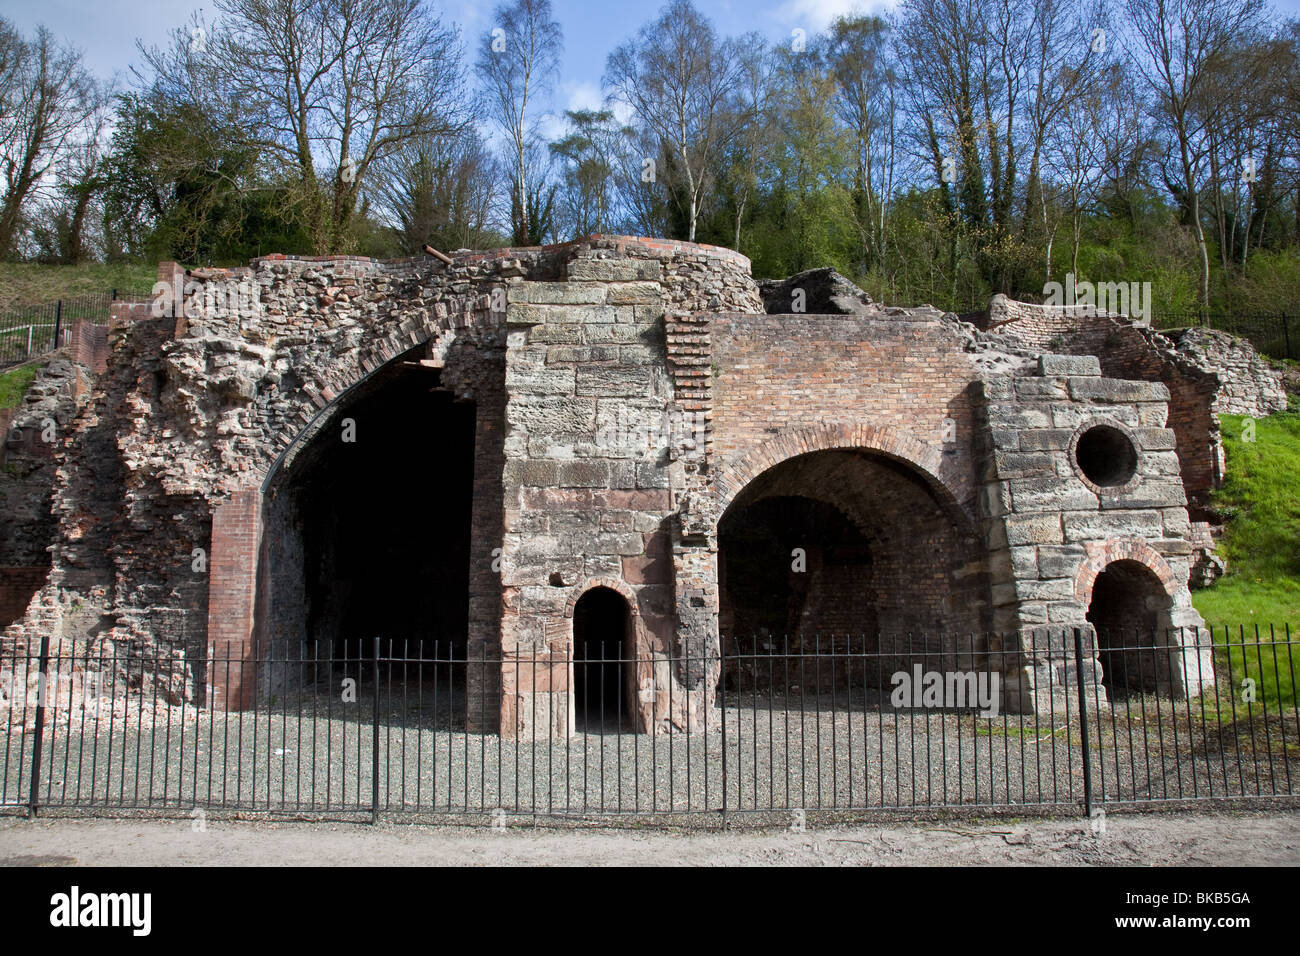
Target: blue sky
(107, 29)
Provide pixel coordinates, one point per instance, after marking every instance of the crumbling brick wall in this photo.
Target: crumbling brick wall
(30, 438)
(216, 388)
(627, 393)
(17, 585)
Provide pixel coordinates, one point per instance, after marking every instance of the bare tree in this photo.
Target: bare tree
(588, 154)
(867, 104)
(1067, 55)
(517, 63)
(678, 76)
(63, 230)
(1242, 105)
(48, 98)
(325, 88)
(1120, 141)
(643, 209)
(986, 81)
(1182, 39)
(439, 190)
(745, 157)
(938, 51)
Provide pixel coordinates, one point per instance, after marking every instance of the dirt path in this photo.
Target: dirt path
(1207, 839)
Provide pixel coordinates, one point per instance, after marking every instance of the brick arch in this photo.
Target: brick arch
(576, 593)
(330, 391)
(888, 440)
(1102, 554)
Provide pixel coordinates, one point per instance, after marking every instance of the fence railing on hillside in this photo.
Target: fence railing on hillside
(1275, 334)
(795, 727)
(29, 331)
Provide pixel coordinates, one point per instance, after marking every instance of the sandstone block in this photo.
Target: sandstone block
(1116, 390)
(557, 293)
(1068, 365)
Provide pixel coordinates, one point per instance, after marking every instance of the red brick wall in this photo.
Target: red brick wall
(17, 585)
(781, 371)
(87, 345)
(232, 568)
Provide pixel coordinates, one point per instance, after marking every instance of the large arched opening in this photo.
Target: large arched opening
(366, 530)
(849, 552)
(1130, 610)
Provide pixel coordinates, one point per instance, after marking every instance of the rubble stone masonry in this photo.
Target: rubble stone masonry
(633, 409)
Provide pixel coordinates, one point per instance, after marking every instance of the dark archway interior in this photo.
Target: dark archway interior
(371, 537)
(1130, 610)
(770, 547)
(847, 552)
(600, 627)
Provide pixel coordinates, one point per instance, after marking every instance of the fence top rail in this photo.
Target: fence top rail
(917, 647)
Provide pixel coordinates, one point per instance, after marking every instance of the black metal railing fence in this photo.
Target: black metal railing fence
(28, 332)
(915, 724)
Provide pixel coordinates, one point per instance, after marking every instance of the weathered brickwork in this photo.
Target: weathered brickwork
(29, 438)
(616, 415)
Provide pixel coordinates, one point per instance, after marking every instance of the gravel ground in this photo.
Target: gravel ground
(817, 758)
(1149, 839)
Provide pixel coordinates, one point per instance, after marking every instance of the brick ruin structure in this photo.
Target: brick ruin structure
(612, 433)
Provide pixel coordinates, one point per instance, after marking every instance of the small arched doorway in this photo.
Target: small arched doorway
(602, 662)
(1130, 610)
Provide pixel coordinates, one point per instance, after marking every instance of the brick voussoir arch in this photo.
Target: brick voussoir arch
(576, 593)
(330, 389)
(1102, 554)
(888, 440)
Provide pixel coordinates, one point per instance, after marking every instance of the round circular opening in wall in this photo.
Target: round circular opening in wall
(1106, 456)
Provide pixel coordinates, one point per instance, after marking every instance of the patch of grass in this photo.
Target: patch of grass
(14, 384)
(1260, 500)
(1025, 727)
(27, 283)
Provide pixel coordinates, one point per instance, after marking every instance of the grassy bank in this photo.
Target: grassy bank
(14, 384)
(1260, 593)
(1260, 500)
(25, 283)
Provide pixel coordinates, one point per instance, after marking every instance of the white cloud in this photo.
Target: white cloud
(577, 95)
(580, 96)
(471, 17)
(818, 14)
(552, 127)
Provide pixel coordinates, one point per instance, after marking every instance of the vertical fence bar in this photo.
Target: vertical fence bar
(722, 711)
(1083, 722)
(374, 740)
(42, 688)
